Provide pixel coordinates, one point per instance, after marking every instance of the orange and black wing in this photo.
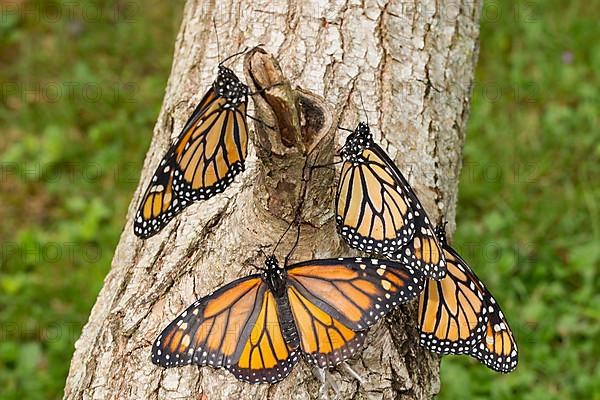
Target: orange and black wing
(236, 328)
(160, 204)
(459, 315)
(265, 356)
(212, 148)
(377, 211)
(334, 302)
(452, 311)
(424, 252)
(498, 349)
(373, 212)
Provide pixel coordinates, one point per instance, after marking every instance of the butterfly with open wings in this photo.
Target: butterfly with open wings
(257, 327)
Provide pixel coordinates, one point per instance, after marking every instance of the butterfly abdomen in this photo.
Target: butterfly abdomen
(286, 321)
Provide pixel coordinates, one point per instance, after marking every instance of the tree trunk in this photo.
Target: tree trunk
(413, 65)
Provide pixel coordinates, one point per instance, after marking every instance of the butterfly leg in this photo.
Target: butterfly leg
(327, 381)
(260, 122)
(259, 91)
(352, 372)
(316, 166)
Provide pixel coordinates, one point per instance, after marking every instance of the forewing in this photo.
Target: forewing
(372, 210)
(325, 341)
(356, 291)
(424, 247)
(214, 329)
(211, 149)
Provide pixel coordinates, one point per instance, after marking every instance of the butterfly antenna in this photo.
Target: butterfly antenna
(260, 122)
(297, 220)
(262, 90)
(282, 236)
(346, 129)
(217, 38)
(234, 55)
(363, 107)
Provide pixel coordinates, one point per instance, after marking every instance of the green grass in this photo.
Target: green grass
(69, 168)
(533, 232)
(70, 165)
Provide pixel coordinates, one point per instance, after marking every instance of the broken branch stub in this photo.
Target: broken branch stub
(295, 132)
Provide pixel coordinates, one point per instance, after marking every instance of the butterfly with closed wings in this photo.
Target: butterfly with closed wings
(458, 315)
(378, 212)
(209, 152)
(257, 327)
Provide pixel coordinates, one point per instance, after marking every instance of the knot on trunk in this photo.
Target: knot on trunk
(296, 132)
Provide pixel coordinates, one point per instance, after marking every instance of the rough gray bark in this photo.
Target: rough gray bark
(413, 65)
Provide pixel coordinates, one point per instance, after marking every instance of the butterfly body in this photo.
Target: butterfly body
(257, 327)
(228, 86)
(275, 278)
(356, 143)
(378, 212)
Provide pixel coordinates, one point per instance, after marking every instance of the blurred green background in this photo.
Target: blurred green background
(79, 99)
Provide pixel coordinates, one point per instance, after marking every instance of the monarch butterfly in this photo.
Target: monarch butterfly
(458, 315)
(208, 154)
(257, 327)
(377, 210)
